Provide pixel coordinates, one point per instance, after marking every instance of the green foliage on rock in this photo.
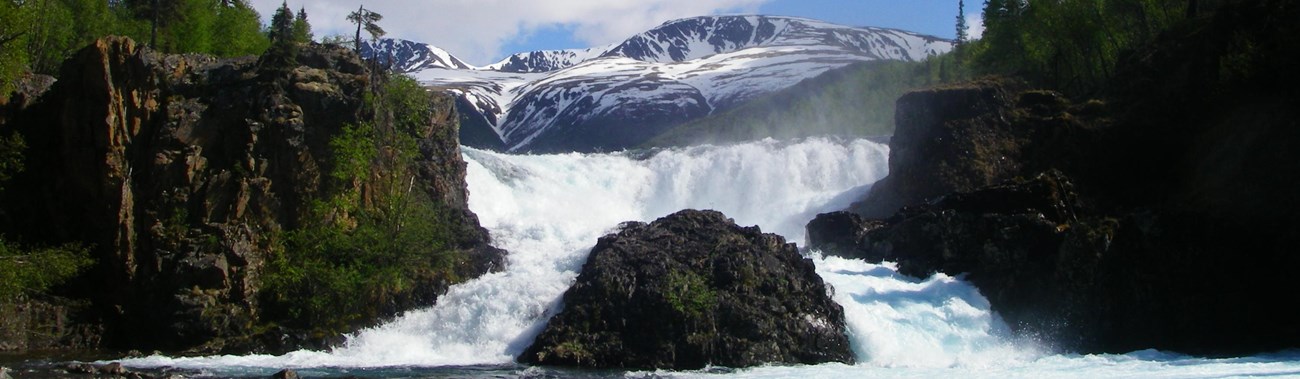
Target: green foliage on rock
(1069, 45)
(689, 293)
(374, 237)
(29, 271)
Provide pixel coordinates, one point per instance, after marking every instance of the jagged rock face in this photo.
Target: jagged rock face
(945, 140)
(1154, 223)
(972, 135)
(36, 324)
(178, 170)
(1077, 280)
(689, 290)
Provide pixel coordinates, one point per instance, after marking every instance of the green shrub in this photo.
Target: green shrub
(33, 271)
(689, 294)
(375, 239)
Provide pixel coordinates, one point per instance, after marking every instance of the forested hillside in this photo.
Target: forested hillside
(1071, 46)
(38, 35)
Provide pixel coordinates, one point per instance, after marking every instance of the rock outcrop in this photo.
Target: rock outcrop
(179, 171)
(970, 135)
(689, 290)
(1162, 220)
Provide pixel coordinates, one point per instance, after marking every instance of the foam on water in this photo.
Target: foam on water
(548, 210)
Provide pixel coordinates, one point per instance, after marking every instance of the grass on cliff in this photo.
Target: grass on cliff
(30, 271)
(375, 239)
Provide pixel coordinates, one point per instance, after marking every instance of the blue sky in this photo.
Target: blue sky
(484, 31)
(933, 17)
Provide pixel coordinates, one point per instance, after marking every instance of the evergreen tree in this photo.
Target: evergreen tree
(284, 50)
(301, 28)
(961, 22)
(368, 20)
(160, 15)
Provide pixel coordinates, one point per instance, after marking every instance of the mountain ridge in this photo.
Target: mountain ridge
(577, 100)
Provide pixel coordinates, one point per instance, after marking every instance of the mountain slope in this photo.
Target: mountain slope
(698, 37)
(588, 100)
(546, 60)
(855, 100)
(407, 56)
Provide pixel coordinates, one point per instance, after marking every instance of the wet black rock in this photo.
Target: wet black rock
(838, 233)
(689, 290)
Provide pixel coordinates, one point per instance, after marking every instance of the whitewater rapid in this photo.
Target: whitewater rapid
(548, 210)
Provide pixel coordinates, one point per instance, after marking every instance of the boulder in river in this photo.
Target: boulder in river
(689, 290)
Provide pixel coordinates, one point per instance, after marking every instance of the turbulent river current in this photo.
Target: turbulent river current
(548, 210)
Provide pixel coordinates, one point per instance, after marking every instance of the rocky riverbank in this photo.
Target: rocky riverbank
(1159, 218)
(183, 174)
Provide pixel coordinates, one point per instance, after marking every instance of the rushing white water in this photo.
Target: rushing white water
(548, 210)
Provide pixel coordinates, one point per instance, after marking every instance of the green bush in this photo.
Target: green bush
(33, 271)
(689, 293)
(375, 239)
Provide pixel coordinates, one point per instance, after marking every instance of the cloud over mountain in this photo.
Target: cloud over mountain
(478, 30)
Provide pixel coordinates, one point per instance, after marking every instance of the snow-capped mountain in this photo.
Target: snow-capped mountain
(698, 37)
(409, 56)
(547, 60)
(621, 95)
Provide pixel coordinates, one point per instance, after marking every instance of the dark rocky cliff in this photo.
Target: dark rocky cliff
(1163, 219)
(181, 171)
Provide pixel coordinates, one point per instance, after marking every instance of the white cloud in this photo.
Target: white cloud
(477, 30)
(975, 26)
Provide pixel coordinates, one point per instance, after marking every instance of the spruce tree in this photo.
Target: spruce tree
(961, 22)
(367, 19)
(284, 50)
(301, 28)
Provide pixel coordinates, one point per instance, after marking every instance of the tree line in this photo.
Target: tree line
(1069, 45)
(37, 35)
